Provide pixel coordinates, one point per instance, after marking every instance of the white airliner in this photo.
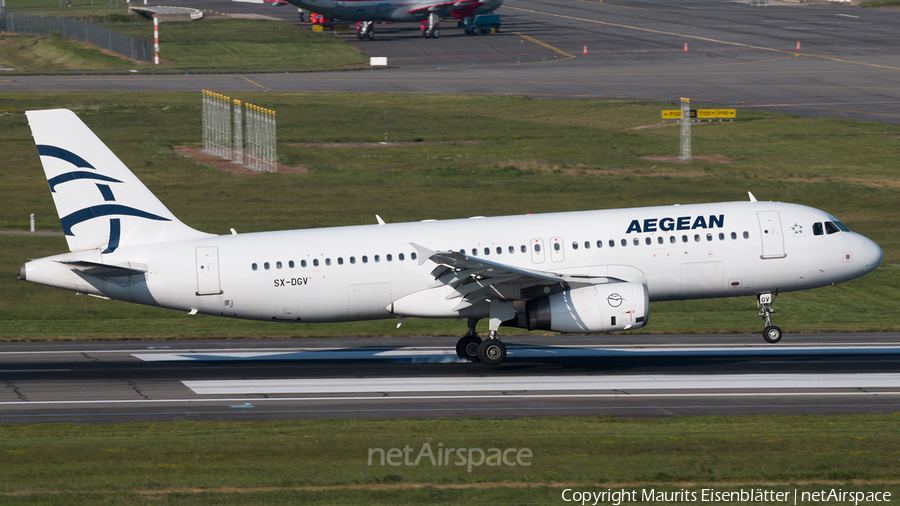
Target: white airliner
(370, 11)
(587, 272)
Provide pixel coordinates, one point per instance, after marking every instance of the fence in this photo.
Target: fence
(103, 38)
(243, 136)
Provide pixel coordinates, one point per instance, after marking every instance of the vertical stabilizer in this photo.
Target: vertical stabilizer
(101, 203)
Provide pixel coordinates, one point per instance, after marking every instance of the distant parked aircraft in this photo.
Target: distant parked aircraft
(368, 12)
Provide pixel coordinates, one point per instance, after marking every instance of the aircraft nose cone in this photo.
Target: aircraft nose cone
(872, 255)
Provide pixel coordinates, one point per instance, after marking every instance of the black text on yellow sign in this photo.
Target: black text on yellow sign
(701, 113)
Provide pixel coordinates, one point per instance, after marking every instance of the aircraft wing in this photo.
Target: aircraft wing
(475, 280)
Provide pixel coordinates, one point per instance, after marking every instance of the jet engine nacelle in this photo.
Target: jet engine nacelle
(599, 308)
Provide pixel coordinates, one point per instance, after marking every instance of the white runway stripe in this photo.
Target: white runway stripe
(544, 383)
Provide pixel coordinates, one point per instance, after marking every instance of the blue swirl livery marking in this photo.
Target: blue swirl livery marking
(64, 154)
(104, 210)
(115, 231)
(78, 174)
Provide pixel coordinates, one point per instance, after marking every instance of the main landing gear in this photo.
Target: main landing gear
(490, 351)
(467, 346)
(430, 28)
(365, 30)
(771, 333)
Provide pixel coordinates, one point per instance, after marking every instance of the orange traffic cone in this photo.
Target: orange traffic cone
(798, 44)
(585, 49)
(685, 46)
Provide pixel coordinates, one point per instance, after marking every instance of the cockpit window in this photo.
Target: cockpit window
(817, 229)
(831, 228)
(841, 226)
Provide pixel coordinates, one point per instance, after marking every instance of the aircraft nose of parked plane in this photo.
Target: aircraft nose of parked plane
(871, 254)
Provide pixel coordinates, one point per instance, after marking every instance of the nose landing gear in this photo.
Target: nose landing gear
(771, 333)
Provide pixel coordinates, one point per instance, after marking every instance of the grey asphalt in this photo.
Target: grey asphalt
(738, 56)
(133, 381)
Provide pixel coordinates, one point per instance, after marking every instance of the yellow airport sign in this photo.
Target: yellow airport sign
(701, 113)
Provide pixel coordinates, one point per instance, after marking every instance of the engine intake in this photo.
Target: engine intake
(599, 308)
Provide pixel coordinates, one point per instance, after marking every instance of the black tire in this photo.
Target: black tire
(772, 334)
(370, 34)
(425, 34)
(359, 35)
(436, 34)
(467, 348)
(492, 352)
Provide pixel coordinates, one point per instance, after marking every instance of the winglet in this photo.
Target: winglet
(752, 198)
(380, 221)
(424, 253)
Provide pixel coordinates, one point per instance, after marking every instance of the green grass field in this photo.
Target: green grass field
(206, 44)
(327, 461)
(534, 156)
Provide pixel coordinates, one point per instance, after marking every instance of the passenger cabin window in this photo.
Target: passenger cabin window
(556, 246)
(278, 264)
(684, 238)
(315, 262)
(340, 260)
(412, 256)
(612, 243)
(587, 244)
(599, 243)
(672, 239)
(352, 260)
(523, 249)
(636, 241)
(721, 236)
(709, 237)
(499, 250)
(327, 261)
(624, 242)
(254, 266)
(377, 258)
(537, 248)
(487, 251)
(302, 263)
(291, 264)
(512, 250)
(266, 266)
(746, 234)
(400, 257)
(659, 239)
(831, 228)
(365, 259)
(734, 235)
(388, 257)
(574, 245)
(648, 241)
(474, 252)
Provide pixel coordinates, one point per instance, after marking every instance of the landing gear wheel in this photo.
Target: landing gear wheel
(436, 34)
(426, 34)
(772, 334)
(360, 35)
(370, 34)
(492, 352)
(467, 348)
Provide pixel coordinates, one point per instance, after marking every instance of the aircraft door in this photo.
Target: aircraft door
(556, 249)
(208, 271)
(770, 231)
(537, 251)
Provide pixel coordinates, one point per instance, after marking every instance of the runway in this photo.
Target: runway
(739, 56)
(634, 376)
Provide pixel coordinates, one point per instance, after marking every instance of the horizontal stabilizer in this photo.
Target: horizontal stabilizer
(106, 270)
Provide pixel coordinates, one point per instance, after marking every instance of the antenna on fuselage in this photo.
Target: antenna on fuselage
(752, 198)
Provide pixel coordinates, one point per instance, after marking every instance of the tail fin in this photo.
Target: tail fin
(100, 202)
